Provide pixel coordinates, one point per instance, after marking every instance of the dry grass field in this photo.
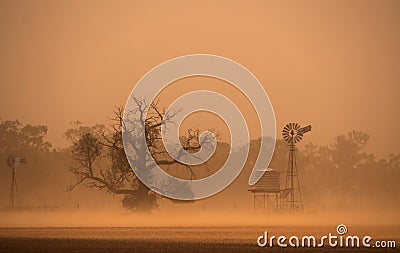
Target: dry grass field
(171, 239)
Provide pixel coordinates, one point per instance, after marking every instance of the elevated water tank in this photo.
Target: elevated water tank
(269, 182)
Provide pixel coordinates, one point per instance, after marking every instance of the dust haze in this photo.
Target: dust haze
(66, 68)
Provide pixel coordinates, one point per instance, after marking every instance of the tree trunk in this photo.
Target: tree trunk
(145, 201)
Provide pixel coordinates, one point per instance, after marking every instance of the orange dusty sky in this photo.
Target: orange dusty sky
(332, 64)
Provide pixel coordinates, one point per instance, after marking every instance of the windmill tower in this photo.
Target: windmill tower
(291, 195)
(13, 162)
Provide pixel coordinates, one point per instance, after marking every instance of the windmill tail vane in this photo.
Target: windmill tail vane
(304, 129)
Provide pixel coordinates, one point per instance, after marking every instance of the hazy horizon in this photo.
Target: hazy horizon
(333, 65)
(109, 183)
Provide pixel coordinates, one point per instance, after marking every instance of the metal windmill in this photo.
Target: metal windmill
(13, 162)
(292, 133)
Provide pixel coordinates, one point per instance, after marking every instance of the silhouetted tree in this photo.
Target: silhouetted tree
(15, 137)
(113, 173)
(347, 149)
(345, 174)
(44, 176)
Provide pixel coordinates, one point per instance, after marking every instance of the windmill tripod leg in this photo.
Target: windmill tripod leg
(13, 189)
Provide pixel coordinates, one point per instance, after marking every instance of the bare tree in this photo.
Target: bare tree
(101, 161)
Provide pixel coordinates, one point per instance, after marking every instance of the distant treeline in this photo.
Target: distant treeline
(331, 176)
